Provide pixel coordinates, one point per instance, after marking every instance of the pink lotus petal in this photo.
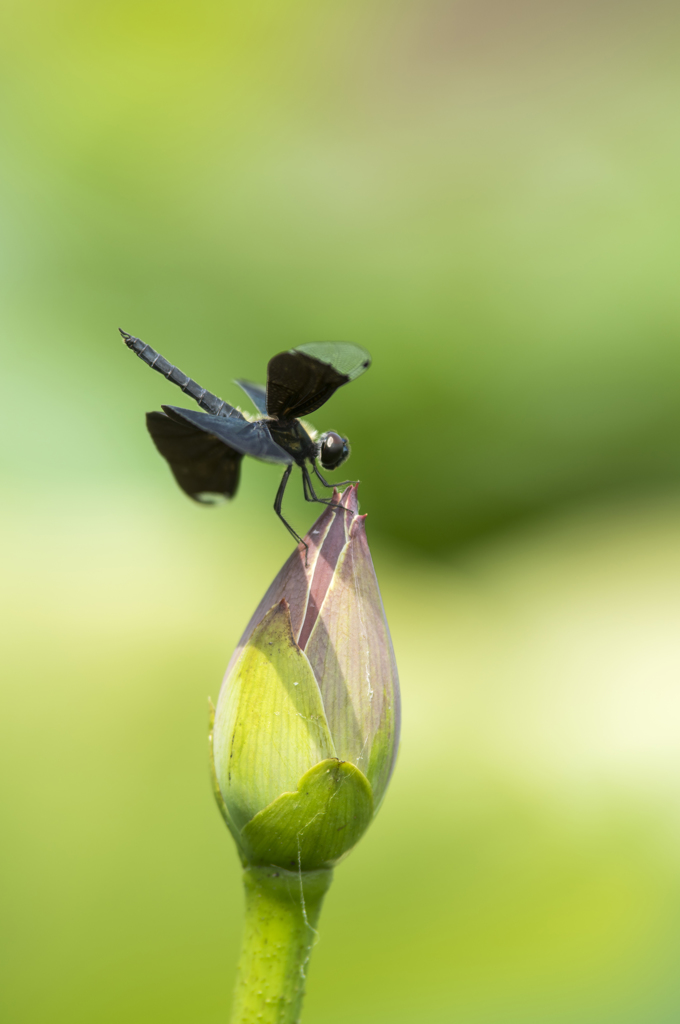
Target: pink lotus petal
(292, 582)
(350, 651)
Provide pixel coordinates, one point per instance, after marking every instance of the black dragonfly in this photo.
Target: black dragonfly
(204, 449)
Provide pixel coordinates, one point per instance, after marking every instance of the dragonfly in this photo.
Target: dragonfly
(205, 449)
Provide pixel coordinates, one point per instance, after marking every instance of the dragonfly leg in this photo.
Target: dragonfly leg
(305, 488)
(278, 500)
(311, 495)
(340, 483)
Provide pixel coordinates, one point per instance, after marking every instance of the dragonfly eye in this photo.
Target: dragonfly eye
(333, 450)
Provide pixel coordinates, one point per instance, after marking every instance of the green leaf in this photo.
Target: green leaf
(270, 726)
(312, 827)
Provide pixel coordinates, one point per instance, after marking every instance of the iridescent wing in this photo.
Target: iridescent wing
(204, 467)
(302, 379)
(257, 393)
(245, 437)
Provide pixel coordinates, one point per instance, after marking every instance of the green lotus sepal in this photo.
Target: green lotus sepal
(306, 727)
(313, 827)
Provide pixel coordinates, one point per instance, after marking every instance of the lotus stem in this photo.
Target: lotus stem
(282, 911)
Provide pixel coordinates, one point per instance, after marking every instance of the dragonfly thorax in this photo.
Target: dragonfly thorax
(293, 438)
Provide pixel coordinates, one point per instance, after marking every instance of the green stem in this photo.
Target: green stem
(282, 909)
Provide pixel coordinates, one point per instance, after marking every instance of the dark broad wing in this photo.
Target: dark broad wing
(302, 379)
(202, 465)
(247, 438)
(257, 393)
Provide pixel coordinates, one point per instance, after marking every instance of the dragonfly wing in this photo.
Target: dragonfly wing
(205, 468)
(247, 438)
(303, 379)
(257, 393)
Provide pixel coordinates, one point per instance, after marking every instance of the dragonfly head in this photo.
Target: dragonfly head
(332, 450)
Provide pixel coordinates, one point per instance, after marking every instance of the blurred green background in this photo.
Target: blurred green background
(485, 195)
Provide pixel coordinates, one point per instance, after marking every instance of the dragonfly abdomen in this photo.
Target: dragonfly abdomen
(205, 399)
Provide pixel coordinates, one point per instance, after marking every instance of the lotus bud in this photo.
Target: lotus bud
(307, 723)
